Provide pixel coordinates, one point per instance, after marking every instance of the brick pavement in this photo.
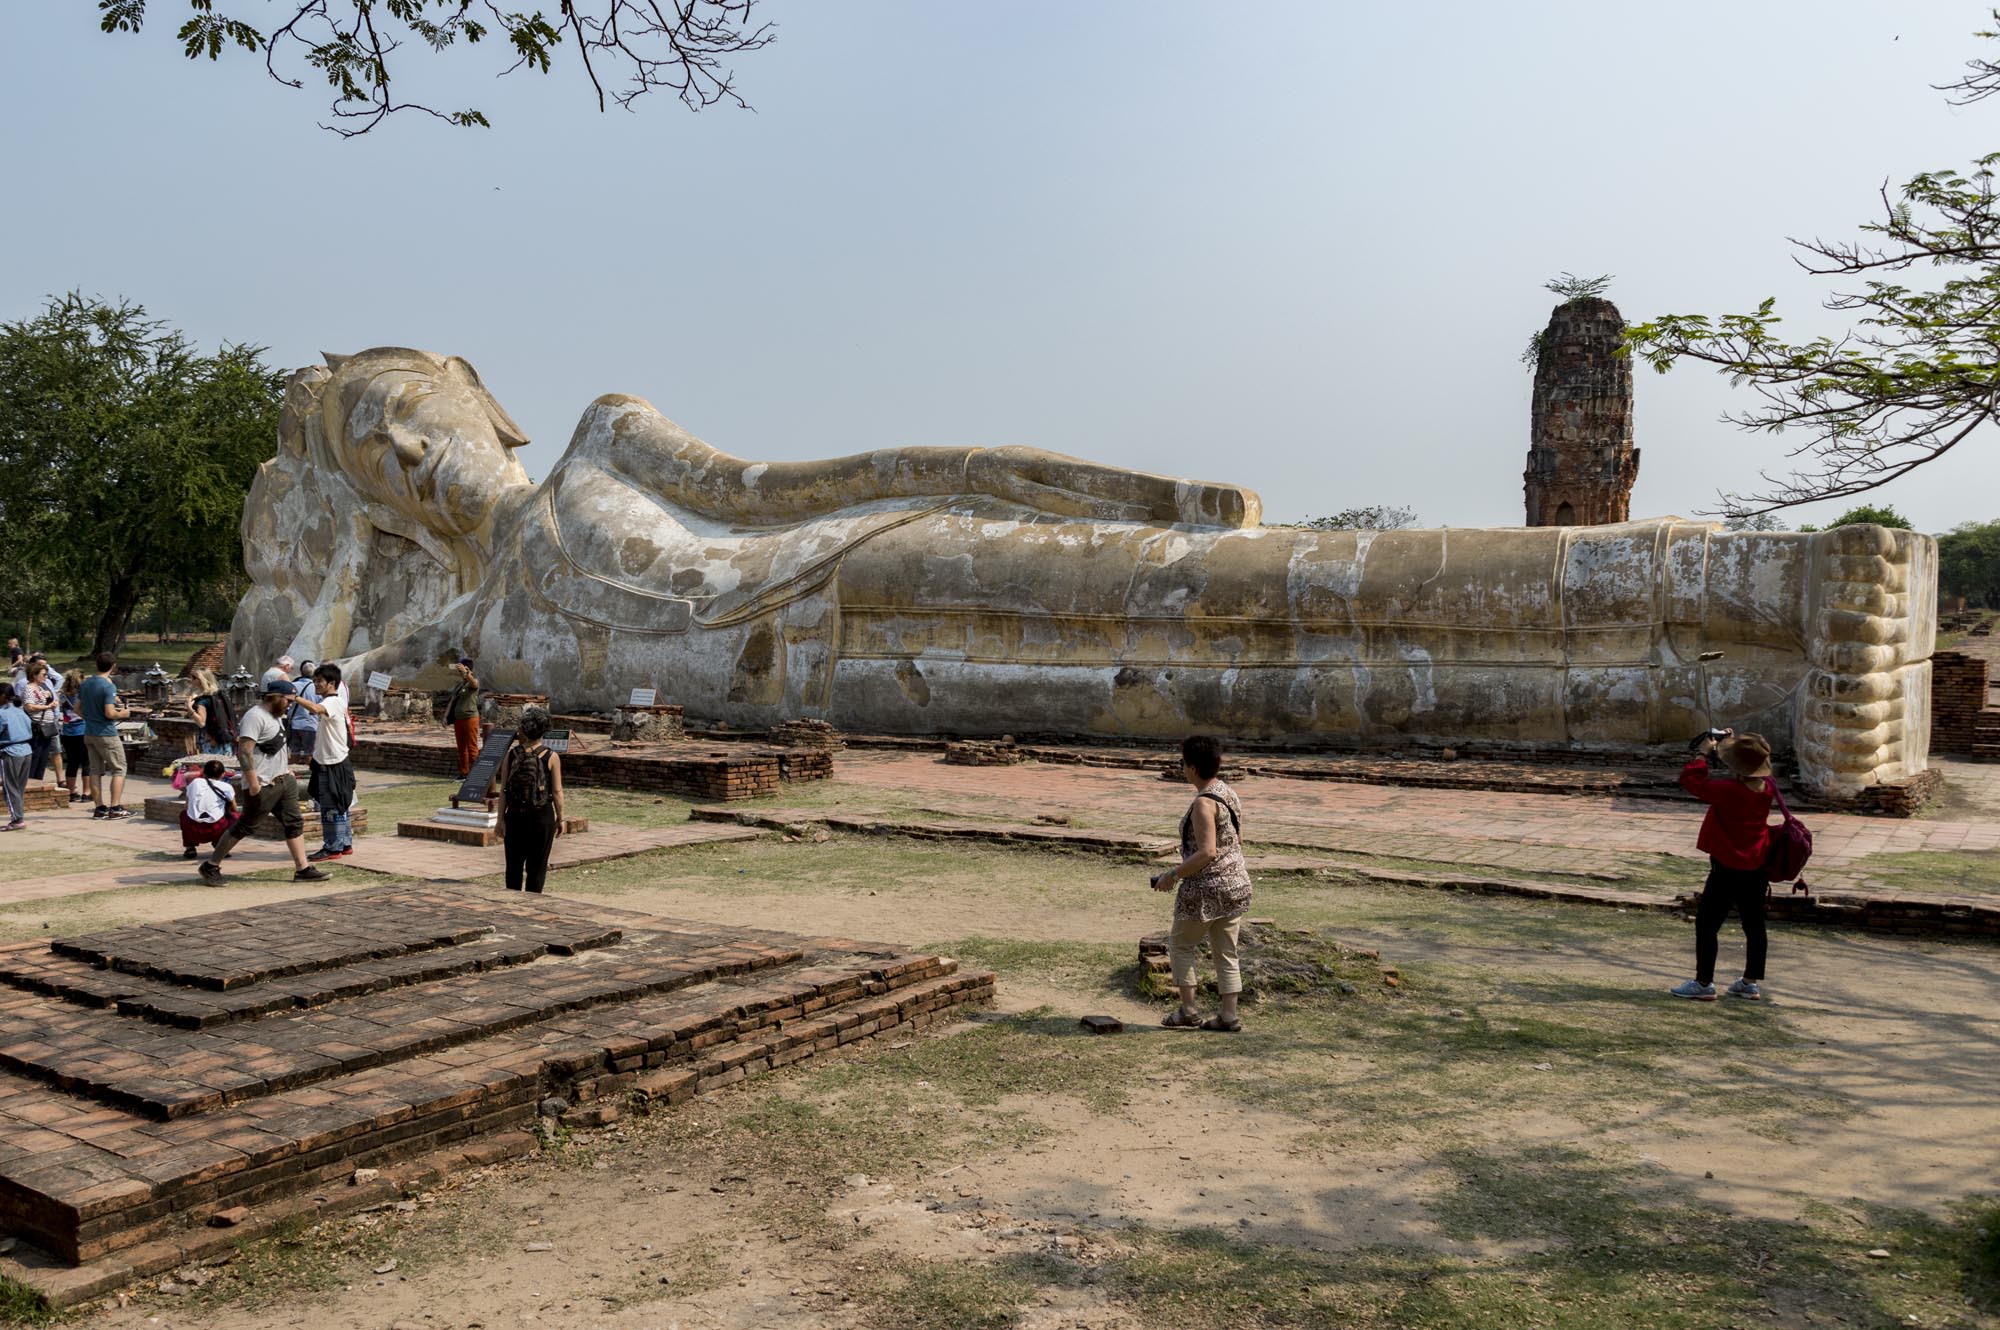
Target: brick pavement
(151, 1076)
(156, 859)
(1540, 832)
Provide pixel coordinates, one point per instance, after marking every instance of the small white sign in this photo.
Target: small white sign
(556, 741)
(643, 697)
(379, 682)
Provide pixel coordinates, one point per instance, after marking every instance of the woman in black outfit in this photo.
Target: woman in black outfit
(531, 803)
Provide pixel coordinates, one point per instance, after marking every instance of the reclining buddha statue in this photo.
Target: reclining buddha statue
(1010, 590)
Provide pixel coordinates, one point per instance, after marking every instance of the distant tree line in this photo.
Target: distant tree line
(125, 454)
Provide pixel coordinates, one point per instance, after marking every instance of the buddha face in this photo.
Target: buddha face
(423, 436)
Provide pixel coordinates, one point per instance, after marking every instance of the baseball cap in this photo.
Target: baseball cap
(283, 686)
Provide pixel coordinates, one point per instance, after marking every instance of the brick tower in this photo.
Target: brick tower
(1581, 462)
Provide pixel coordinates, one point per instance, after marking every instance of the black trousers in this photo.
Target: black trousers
(1739, 889)
(530, 837)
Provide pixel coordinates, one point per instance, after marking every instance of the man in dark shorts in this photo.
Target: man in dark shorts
(269, 787)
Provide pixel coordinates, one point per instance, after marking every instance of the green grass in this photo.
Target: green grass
(21, 1305)
(139, 654)
(390, 804)
(68, 856)
(303, 1256)
(1955, 873)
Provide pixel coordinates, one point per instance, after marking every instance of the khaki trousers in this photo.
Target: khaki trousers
(1184, 944)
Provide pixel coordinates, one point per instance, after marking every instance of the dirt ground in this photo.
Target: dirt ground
(1525, 1130)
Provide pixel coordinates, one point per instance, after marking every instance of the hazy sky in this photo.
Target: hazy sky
(1298, 246)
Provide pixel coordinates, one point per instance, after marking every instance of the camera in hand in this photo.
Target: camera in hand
(1707, 737)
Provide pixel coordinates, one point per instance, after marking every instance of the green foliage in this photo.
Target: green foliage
(1756, 522)
(353, 45)
(1571, 287)
(124, 458)
(1917, 373)
(1969, 563)
(1866, 514)
(1370, 517)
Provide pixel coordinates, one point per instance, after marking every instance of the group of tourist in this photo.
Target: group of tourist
(47, 719)
(265, 740)
(65, 727)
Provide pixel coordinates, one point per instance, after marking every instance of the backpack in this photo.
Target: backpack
(527, 781)
(1790, 847)
(218, 722)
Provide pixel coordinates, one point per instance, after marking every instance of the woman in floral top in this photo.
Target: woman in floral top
(1211, 888)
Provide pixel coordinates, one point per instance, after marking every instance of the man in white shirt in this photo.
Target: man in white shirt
(282, 670)
(332, 784)
(269, 788)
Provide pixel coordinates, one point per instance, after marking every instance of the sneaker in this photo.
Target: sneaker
(349, 850)
(1695, 989)
(211, 873)
(14, 826)
(321, 856)
(311, 874)
(1743, 988)
(79, 798)
(115, 814)
(190, 853)
(100, 811)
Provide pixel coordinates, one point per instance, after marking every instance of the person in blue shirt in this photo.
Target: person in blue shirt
(101, 713)
(15, 733)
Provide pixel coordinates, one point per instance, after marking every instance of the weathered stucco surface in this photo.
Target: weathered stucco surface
(966, 590)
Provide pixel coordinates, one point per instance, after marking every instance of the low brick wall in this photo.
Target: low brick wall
(1883, 914)
(696, 770)
(1958, 696)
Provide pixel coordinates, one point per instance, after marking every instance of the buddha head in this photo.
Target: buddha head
(421, 435)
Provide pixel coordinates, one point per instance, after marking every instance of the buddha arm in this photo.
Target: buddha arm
(629, 436)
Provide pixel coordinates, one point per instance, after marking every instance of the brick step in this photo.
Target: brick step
(170, 1073)
(171, 1004)
(415, 1070)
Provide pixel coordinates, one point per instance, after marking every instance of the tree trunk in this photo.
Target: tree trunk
(118, 605)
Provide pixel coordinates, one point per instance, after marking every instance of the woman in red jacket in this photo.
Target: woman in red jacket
(1735, 835)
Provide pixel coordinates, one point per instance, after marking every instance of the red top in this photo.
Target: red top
(1734, 832)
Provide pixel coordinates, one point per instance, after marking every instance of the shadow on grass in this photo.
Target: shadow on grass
(1549, 1237)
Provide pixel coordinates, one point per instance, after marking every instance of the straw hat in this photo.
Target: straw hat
(1748, 755)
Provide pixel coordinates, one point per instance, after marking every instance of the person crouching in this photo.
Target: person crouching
(1736, 837)
(210, 809)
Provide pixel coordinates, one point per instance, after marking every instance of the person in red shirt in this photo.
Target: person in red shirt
(1735, 834)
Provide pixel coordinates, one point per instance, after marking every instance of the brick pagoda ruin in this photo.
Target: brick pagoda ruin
(1581, 462)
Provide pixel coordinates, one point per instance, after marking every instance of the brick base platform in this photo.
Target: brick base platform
(152, 1076)
(698, 770)
(425, 829)
(167, 808)
(46, 798)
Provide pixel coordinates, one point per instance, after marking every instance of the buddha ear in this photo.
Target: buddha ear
(333, 361)
(504, 428)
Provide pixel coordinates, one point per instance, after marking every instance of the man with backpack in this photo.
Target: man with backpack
(531, 803)
(1741, 848)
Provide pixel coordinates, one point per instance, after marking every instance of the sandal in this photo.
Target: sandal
(1226, 1027)
(1178, 1019)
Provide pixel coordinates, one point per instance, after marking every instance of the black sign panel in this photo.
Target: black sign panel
(556, 741)
(484, 768)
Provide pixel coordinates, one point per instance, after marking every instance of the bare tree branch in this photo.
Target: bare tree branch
(683, 47)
